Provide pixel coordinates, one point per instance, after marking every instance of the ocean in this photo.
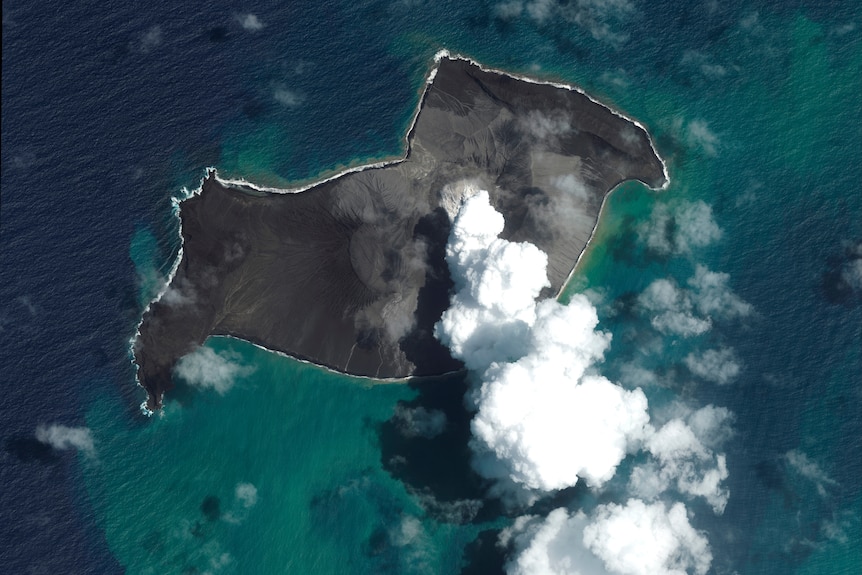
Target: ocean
(111, 109)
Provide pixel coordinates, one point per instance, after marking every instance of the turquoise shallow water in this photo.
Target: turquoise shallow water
(295, 469)
(281, 473)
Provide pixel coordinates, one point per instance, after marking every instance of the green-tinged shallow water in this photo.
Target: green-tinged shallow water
(280, 474)
(284, 473)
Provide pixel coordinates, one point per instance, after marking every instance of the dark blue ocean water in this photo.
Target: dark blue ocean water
(109, 109)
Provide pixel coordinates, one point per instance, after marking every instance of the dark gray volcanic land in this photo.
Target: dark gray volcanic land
(350, 273)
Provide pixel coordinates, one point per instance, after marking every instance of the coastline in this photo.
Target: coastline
(429, 80)
(239, 183)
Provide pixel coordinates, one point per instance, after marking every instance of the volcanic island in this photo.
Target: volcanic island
(350, 272)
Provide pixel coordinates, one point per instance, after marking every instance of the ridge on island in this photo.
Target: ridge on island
(350, 272)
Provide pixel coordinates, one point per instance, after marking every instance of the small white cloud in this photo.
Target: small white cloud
(415, 549)
(808, 469)
(151, 39)
(288, 98)
(704, 64)
(843, 29)
(634, 375)
(509, 10)
(617, 78)
(683, 461)
(717, 365)
(573, 185)
(206, 369)
(679, 229)
(713, 296)
(245, 497)
(179, 293)
(695, 227)
(672, 310)
(246, 494)
(601, 18)
(711, 425)
(25, 301)
(540, 10)
(851, 271)
(250, 22)
(408, 531)
(698, 134)
(63, 437)
(688, 313)
(420, 422)
(544, 127)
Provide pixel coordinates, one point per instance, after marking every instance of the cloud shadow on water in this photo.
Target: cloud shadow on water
(28, 449)
(483, 556)
(419, 345)
(438, 469)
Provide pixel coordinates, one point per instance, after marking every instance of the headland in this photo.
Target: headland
(349, 273)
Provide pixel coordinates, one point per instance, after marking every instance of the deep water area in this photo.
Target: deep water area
(111, 109)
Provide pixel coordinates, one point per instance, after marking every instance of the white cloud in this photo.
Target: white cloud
(617, 78)
(545, 418)
(416, 550)
(672, 310)
(206, 369)
(852, 274)
(287, 97)
(540, 10)
(842, 29)
(151, 39)
(544, 127)
(179, 293)
(642, 539)
(420, 422)
(250, 22)
(245, 497)
(632, 539)
(704, 64)
(63, 437)
(598, 17)
(634, 375)
(496, 284)
(537, 398)
(699, 135)
(509, 10)
(714, 297)
(571, 184)
(408, 530)
(679, 229)
(550, 545)
(683, 460)
(688, 313)
(808, 469)
(717, 365)
(711, 425)
(536, 420)
(246, 494)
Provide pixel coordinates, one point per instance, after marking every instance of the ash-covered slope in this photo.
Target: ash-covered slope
(350, 272)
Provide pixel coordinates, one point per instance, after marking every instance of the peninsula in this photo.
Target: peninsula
(349, 273)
